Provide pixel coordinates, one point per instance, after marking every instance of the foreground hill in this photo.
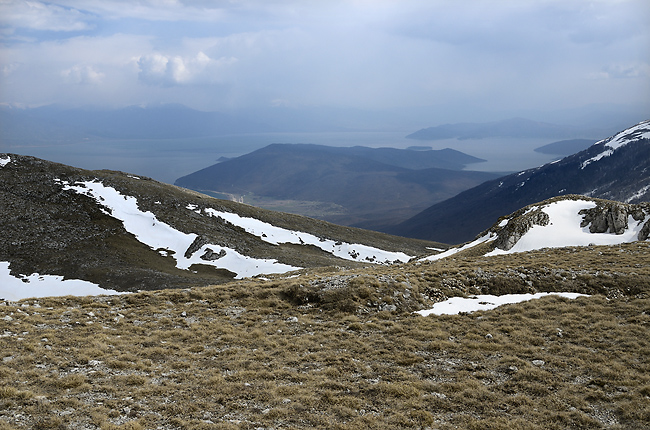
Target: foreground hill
(616, 168)
(321, 351)
(128, 233)
(357, 186)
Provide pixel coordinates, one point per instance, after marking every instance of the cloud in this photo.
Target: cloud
(36, 15)
(164, 70)
(83, 74)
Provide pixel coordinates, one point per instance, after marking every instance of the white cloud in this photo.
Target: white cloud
(82, 74)
(159, 69)
(42, 16)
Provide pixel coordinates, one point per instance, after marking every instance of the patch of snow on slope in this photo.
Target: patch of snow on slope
(276, 235)
(637, 132)
(485, 302)
(5, 161)
(35, 285)
(162, 237)
(564, 230)
(451, 251)
(638, 194)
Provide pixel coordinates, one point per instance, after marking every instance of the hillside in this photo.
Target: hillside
(514, 127)
(318, 351)
(339, 344)
(357, 186)
(616, 168)
(566, 147)
(129, 233)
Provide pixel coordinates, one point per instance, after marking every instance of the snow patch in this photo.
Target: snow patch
(638, 194)
(564, 229)
(451, 251)
(276, 235)
(484, 302)
(4, 161)
(165, 239)
(35, 285)
(637, 132)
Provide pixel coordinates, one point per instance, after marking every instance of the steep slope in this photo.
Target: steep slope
(127, 233)
(616, 168)
(364, 186)
(561, 222)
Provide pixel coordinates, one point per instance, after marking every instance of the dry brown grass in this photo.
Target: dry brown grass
(318, 351)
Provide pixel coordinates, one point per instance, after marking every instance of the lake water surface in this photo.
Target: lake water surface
(168, 159)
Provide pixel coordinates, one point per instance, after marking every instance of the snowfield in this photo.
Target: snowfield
(35, 285)
(484, 302)
(564, 230)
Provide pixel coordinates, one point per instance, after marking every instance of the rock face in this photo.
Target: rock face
(611, 218)
(512, 232)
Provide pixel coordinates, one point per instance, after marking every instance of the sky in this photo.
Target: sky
(362, 54)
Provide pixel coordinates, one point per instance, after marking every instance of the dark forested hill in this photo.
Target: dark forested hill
(359, 186)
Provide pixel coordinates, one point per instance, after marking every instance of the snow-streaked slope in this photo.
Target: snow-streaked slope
(35, 285)
(276, 235)
(169, 241)
(611, 144)
(484, 302)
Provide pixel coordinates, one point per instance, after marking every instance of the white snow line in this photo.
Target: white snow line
(35, 285)
(483, 302)
(164, 238)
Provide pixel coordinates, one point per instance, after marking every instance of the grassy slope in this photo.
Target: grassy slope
(318, 352)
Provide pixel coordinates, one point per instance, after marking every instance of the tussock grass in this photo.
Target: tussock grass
(342, 349)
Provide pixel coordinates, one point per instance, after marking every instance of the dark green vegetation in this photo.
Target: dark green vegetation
(566, 147)
(48, 230)
(622, 176)
(341, 349)
(363, 187)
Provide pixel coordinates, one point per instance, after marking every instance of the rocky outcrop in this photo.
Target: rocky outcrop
(513, 231)
(613, 217)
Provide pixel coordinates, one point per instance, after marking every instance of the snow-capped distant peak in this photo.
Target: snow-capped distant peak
(611, 144)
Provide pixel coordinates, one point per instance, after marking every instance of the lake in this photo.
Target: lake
(168, 159)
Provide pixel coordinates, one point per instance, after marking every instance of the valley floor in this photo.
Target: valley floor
(343, 349)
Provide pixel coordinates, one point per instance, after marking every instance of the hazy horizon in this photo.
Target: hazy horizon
(451, 60)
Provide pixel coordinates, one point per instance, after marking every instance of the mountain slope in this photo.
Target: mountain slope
(127, 233)
(370, 187)
(616, 168)
(514, 127)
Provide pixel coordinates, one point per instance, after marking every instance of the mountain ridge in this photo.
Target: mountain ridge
(615, 168)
